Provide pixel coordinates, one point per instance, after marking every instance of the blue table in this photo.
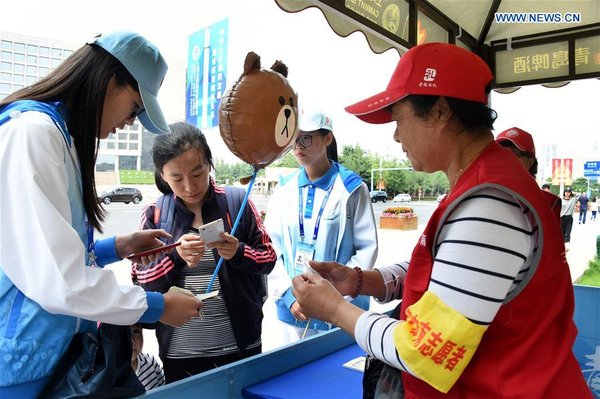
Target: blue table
(321, 378)
(313, 365)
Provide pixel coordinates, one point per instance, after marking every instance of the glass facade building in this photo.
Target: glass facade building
(26, 59)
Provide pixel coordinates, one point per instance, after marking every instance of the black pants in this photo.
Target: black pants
(566, 225)
(178, 369)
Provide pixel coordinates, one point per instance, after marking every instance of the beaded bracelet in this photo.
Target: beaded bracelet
(359, 282)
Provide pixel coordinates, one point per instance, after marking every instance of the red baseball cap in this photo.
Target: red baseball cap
(433, 69)
(519, 138)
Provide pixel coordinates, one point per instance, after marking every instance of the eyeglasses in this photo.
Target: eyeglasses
(304, 140)
(137, 109)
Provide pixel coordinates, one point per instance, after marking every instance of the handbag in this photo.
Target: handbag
(95, 365)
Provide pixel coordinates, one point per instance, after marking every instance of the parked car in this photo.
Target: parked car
(121, 194)
(441, 197)
(378, 195)
(402, 198)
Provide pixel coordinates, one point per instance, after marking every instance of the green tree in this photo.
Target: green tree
(229, 173)
(222, 172)
(357, 160)
(580, 185)
(287, 161)
(396, 180)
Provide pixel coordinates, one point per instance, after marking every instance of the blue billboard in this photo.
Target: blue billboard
(206, 78)
(591, 169)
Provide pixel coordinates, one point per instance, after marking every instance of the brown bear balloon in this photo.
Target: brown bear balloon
(258, 116)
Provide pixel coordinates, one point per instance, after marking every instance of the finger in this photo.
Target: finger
(301, 316)
(161, 233)
(321, 267)
(298, 281)
(311, 278)
(192, 248)
(226, 237)
(191, 238)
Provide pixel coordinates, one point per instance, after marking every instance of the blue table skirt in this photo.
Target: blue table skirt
(323, 378)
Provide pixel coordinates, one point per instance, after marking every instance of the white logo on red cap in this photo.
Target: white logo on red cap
(429, 74)
(512, 133)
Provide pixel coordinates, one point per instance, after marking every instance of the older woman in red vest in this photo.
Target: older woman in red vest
(487, 301)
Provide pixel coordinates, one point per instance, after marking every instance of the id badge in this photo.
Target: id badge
(304, 253)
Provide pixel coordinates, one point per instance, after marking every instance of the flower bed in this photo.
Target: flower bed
(398, 217)
(398, 212)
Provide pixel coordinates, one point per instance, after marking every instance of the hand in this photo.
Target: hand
(342, 277)
(180, 308)
(295, 310)
(191, 249)
(227, 247)
(141, 241)
(316, 296)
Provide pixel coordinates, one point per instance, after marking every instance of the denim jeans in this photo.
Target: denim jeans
(582, 215)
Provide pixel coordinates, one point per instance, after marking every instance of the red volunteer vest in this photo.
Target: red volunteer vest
(527, 350)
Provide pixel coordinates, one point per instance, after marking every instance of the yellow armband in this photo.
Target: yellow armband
(436, 342)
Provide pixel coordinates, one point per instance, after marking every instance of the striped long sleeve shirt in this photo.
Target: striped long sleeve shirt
(483, 251)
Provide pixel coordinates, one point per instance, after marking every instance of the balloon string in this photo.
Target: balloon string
(234, 228)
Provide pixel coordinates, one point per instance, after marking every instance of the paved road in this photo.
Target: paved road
(126, 217)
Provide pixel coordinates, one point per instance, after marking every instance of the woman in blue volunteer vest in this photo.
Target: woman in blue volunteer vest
(323, 212)
(487, 301)
(52, 284)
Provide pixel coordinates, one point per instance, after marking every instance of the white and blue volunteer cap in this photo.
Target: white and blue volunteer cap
(311, 120)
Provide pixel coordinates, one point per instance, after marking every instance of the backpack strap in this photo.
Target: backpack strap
(234, 197)
(164, 212)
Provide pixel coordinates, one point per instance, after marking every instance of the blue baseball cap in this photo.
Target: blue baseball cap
(144, 62)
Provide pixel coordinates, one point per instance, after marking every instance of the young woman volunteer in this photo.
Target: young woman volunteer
(230, 328)
(49, 135)
(321, 212)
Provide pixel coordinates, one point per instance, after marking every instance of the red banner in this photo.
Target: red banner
(562, 171)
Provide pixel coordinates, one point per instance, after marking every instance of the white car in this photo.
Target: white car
(402, 198)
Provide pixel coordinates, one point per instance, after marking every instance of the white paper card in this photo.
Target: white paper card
(357, 364)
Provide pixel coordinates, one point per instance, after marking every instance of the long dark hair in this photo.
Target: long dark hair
(80, 82)
(182, 138)
(332, 151)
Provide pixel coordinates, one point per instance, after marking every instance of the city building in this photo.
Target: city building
(26, 59)
(545, 153)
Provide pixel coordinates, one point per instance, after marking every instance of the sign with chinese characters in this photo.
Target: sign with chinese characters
(562, 171)
(591, 169)
(547, 61)
(206, 78)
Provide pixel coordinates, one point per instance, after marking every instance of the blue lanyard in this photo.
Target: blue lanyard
(90, 244)
(301, 215)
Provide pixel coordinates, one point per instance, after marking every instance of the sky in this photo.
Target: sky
(327, 71)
